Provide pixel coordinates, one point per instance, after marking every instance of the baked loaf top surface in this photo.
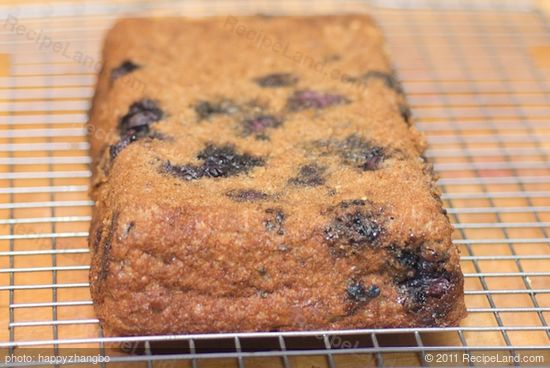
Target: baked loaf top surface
(259, 173)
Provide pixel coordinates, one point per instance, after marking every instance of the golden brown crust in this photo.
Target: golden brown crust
(245, 187)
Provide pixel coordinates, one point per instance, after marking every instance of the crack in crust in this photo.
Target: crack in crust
(106, 248)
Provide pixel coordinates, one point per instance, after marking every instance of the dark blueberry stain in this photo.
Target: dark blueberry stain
(106, 247)
(275, 221)
(257, 125)
(126, 67)
(310, 175)
(206, 109)
(358, 295)
(136, 124)
(186, 172)
(141, 114)
(361, 153)
(354, 226)
(247, 195)
(357, 292)
(355, 151)
(308, 99)
(217, 162)
(277, 80)
(372, 159)
(422, 278)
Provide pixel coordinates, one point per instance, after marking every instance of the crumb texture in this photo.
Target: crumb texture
(262, 174)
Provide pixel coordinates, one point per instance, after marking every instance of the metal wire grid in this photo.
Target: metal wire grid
(477, 90)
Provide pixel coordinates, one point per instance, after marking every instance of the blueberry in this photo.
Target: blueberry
(356, 228)
(308, 99)
(360, 153)
(257, 125)
(438, 287)
(186, 172)
(373, 158)
(141, 114)
(310, 175)
(357, 292)
(136, 124)
(224, 161)
(353, 227)
(277, 80)
(247, 195)
(420, 279)
(126, 67)
(218, 162)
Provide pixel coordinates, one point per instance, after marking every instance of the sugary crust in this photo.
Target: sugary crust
(331, 219)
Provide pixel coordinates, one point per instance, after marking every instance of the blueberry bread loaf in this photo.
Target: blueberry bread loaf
(262, 174)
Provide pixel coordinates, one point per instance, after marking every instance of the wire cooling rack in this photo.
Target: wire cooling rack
(477, 77)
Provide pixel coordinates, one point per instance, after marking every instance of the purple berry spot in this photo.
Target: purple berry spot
(136, 125)
(310, 175)
(186, 172)
(275, 221)
(140, 114)
(438, 287)
(217, 162)
(277, 80)
(308, 99)
(247, 195)
(357, 292)
(257, 125)
(359, 295)
(420, 279)
(126, 67)
(373, 158)
(206, 109)
(355, 151)
(355, 226)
